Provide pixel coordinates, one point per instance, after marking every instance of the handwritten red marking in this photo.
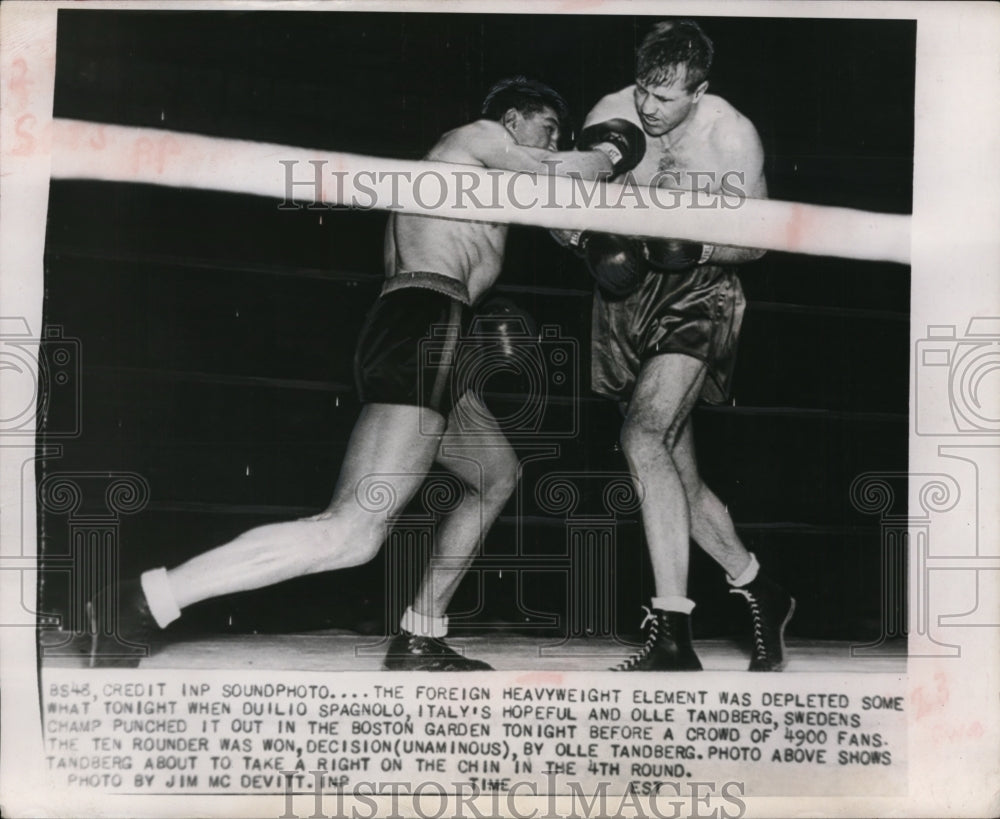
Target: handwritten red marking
(540, 678)
(949, 732)
(18, 85)
(153, 154)
(142, 153)
(26, 144)
(926, 702)
(796, 227)
(98, 139)
(168, 146)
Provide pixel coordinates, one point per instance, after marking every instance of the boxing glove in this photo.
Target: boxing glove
(617, 263)
(622, 141)
(502, 360)
(567, 238)
(672, 255)
(502, 325)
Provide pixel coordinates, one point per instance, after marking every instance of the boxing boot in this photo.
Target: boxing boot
(122, 629)
(411, 652)
(771, 607)
(668, 644)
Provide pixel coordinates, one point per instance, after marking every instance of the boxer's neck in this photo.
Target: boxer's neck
(683, 131)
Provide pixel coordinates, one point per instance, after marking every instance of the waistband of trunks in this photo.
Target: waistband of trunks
(437, 282)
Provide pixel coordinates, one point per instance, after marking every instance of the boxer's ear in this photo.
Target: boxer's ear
(510, 119)
(699, 92)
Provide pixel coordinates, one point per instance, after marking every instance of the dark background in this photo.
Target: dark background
(216, 332)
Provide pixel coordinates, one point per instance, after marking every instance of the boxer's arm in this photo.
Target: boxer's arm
(618, 105)
(743, 177)
(490, 144)
(513, 157)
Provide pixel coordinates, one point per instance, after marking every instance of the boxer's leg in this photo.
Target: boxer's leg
(711, 526)
(388, 455)
(665, 392)
(387, 459)
(486, 465)
(771, 607)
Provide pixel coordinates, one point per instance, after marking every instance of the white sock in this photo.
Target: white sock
(423, 625)
(159, 597)
(747, 575)
(673, 602)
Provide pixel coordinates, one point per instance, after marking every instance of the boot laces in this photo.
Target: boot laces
(653, 622)
(760, 647)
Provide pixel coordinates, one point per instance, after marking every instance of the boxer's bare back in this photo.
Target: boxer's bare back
(472, 252)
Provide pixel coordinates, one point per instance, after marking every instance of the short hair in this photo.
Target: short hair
(526, 96)
(671, 45)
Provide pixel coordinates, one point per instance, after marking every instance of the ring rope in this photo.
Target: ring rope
(114, 153)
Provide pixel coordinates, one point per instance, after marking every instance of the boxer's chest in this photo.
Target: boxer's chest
(689, 166)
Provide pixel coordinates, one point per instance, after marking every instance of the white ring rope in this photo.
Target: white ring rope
(86, 150)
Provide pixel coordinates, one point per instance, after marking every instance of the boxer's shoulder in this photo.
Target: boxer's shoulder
(727, 129)
(466, 143)
(617, 105)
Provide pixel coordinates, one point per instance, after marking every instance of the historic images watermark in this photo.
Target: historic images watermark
(955, 400)
(47, 370)
(487, 189)
(962, 368)
(431, 799)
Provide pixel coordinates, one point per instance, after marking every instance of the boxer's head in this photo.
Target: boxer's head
(534, 114)
(671, 74)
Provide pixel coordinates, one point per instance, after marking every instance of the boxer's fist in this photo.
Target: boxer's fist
(503, 355)
(500, 325)
(567, 238)
(617, 263)
(670, 255)
(623, 142)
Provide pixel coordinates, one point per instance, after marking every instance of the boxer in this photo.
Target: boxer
(436, 271)
(666, 320)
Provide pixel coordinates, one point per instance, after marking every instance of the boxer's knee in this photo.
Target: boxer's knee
(641, 441)
(332, 542)
(500, 480)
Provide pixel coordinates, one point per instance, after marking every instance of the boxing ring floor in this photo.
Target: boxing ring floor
(347, 651)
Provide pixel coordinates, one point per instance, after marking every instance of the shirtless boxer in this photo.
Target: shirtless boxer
(666, 318)
(436, 271)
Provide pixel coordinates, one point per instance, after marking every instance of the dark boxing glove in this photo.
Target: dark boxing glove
(670, 255)
(501, 325)
(622, 141)
(617, 263)
(503, 358)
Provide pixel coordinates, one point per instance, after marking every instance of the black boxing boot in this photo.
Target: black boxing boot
(122, 629)
(419, 647)
(668, 644)
(771, 607)
(411, 652)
